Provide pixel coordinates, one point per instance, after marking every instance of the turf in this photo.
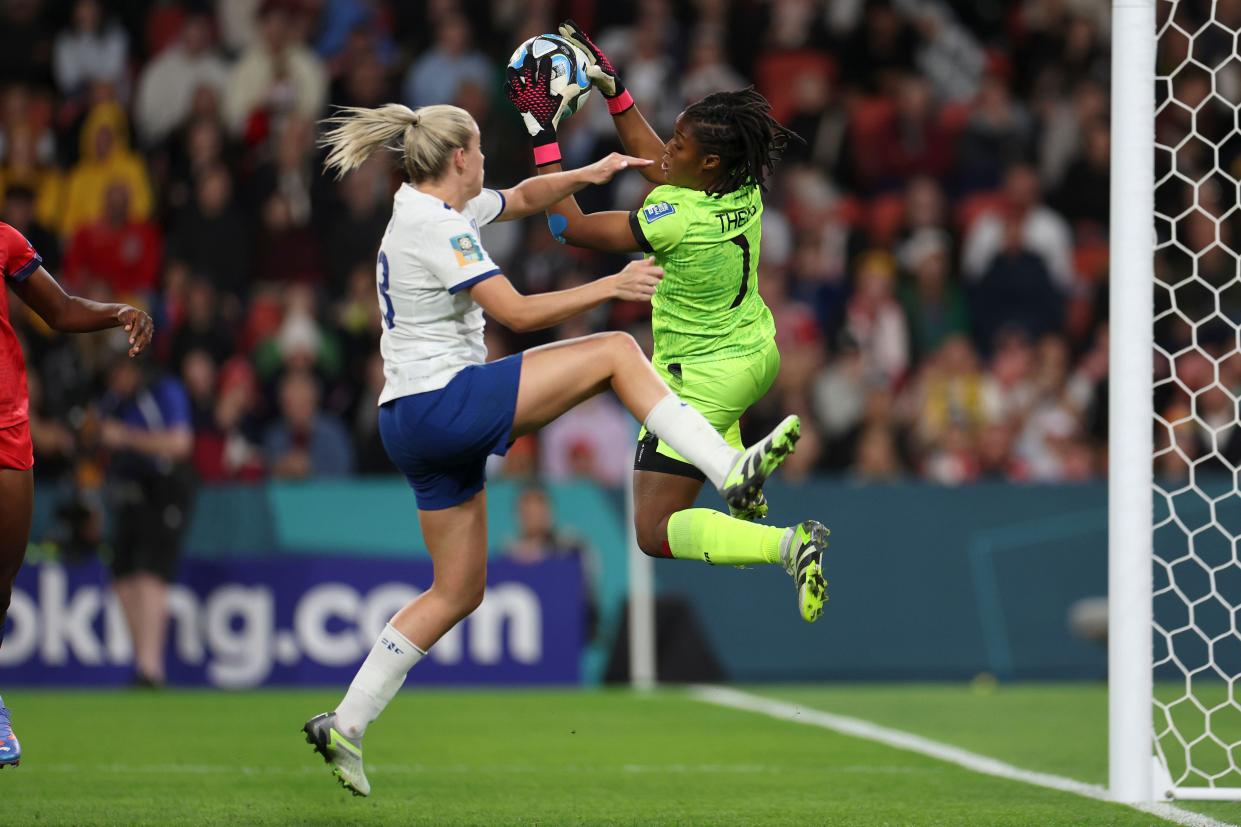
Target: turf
(550, 758)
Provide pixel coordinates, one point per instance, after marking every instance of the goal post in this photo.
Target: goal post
(1130, 402)
(641, 631)
(1174, 515)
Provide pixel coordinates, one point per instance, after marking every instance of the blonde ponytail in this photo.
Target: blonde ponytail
(425, 138)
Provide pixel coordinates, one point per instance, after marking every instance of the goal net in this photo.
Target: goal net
(1186, 569)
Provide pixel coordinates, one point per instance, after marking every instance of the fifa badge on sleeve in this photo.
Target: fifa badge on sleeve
(657, 211)
(466, 249)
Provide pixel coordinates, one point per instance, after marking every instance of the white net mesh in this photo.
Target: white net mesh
(1197, 633)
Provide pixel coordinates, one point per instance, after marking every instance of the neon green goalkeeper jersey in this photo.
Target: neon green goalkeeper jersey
(708, 306)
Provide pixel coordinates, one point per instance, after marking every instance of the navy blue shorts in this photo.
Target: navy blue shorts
(440, 440)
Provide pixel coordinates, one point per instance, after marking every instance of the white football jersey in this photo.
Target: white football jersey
(429, 255)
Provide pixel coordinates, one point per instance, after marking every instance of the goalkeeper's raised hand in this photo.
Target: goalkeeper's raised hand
(601, 71)
(529, 89)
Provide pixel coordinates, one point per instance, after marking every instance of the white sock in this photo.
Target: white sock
(377, 682)
(691, 436)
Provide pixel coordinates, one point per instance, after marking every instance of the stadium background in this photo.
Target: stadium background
(934, 255)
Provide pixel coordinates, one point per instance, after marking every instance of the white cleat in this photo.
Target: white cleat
(339, 750)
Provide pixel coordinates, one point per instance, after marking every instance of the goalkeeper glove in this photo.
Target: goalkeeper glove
(529, 89)
(601, 71)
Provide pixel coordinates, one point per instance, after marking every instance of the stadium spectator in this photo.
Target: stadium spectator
(25, 43)
(54, 442)
(147, 429)
(880, 50)
(199, 146)
(305, 443)
(838, 399)
(169, 82)
(196, 232)
(933, 301)
(201, 326)
(19, 206)
(290, 173)
(949, 393)
(593, 441)
(1021, 221)
(277, 76)
(286, 251)
(877, 457)
(1015, 290)
(997, 136)
(909, 139)
(350, 31)
(538, 539)
(105, 159)
(300, 342)
(20, 166)
(365, 83)
(353, 232)
(875, 320)
(706, 70)
(1082, 198)
(238, 23)
(117, 250)
(94, 49)
(225, 440)
(438, 74)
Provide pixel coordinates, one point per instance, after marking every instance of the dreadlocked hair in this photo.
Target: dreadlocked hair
(738, 127)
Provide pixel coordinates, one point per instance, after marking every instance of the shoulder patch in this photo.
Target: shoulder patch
(657, 211)
(466, 248)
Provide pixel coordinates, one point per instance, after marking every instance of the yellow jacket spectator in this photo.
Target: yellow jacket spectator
(22, 169)
(106, 159)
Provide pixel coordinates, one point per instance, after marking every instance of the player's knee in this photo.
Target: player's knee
(652, 539)
(473, 598)
(622, 346)
(465, 595)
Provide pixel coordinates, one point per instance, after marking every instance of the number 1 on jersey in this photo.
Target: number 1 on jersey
(390, 314)
(744, 243)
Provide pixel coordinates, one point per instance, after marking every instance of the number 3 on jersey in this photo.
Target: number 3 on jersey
(390, 313)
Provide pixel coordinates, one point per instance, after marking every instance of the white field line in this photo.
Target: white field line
(317, 767)
(858, 728)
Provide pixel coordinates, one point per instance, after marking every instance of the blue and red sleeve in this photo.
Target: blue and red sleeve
(18, 258)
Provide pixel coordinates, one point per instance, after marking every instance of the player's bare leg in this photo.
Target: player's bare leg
(144, 601)
(456, 539)
(16, 508)
(558, 376)
(656, 497)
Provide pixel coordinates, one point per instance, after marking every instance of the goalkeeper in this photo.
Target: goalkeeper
(714, 335)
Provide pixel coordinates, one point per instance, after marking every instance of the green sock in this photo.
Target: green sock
(716, 538)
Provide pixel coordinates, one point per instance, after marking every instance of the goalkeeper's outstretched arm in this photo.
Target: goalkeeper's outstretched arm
(639, 138)
(635, 133)
(607, 231)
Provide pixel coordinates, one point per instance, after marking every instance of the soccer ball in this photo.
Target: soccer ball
(568, 65)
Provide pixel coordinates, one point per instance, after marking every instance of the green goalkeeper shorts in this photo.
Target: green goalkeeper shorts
(721, 391)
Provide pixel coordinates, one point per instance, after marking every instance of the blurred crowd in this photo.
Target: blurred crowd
(935, 252)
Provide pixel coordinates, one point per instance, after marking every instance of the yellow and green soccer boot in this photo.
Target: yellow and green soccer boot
(801, 551)
(743, 486)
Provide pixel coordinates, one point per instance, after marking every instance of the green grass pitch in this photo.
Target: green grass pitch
(558, 758)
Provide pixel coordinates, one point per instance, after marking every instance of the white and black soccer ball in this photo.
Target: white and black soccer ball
(568, 65)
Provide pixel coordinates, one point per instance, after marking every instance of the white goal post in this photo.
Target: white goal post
(1130, 401)
(1174, 515)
